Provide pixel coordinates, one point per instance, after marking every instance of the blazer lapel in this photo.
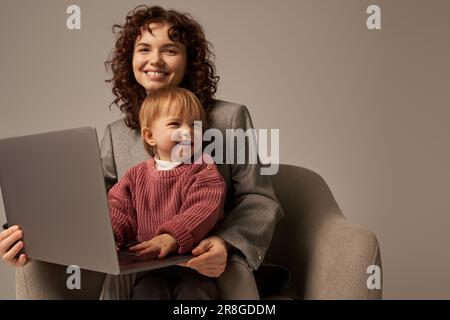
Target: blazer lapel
(137, 152)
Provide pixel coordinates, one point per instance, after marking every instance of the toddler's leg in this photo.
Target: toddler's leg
(118, 287)
(194, 286)
(151, 286)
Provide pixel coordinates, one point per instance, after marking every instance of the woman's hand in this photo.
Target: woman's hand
(10, 246)
(162, 244)
(211, 257)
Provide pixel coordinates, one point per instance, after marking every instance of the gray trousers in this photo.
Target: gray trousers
(174, 283)
(43, 280)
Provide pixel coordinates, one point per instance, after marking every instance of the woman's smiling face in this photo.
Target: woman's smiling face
(157, 60)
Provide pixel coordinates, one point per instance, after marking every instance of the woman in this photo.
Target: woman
(157, 48)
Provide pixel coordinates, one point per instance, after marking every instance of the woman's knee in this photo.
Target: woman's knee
(151, 287)
(237, 282)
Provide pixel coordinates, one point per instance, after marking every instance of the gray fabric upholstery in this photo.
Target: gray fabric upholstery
(326, 254)
(39, 280)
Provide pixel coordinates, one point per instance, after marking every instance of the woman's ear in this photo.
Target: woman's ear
(147, 135)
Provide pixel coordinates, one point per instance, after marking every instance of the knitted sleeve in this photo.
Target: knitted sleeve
(201, 210)
(122, 211)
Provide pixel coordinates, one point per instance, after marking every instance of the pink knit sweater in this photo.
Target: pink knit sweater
(186, 202)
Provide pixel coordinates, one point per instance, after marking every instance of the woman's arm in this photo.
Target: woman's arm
(108, 162)
(250, 224)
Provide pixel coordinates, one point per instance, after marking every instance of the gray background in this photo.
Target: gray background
(368, 110)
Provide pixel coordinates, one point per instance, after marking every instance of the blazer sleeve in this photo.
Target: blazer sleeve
(250, 223)
(108, 161)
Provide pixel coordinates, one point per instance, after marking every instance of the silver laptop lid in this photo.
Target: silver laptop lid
(53, 187)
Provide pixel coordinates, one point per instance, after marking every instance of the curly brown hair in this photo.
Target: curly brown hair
(200, 77)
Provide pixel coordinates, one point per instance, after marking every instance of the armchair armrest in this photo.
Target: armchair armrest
(339, 257)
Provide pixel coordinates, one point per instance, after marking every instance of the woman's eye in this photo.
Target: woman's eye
(171, 51)
(173, 124)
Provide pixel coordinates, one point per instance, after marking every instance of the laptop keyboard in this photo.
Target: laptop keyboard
(129, 257)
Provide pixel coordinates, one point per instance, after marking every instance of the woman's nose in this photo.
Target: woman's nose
(155, 59)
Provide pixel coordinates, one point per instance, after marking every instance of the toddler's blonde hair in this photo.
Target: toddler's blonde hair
(169, 100)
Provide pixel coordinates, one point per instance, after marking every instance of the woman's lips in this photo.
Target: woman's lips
(152, 75)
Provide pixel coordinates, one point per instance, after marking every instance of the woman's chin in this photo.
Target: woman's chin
(154, 86)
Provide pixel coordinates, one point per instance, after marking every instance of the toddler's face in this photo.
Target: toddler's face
(173, 133)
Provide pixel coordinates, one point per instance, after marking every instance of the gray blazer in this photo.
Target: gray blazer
(251, 207)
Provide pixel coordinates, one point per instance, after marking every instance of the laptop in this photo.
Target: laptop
(53, 188)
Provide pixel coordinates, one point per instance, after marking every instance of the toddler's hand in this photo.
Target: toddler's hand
(162, 245)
